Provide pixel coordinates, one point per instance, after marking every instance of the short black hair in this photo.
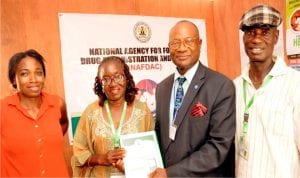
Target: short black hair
(18, 57)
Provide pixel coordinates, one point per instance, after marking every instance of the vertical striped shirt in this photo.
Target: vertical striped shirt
(273, 137)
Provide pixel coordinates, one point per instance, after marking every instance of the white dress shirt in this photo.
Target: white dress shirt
(189, 76)
(273, 136)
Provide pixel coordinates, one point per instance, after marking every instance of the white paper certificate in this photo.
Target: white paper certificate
(142, 154)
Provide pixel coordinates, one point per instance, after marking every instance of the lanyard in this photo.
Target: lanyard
(249, 104)
(116, 135)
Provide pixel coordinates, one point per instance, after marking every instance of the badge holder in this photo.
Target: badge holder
(243, 148)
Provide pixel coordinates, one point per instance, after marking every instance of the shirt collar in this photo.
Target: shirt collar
(279, 68)
(15, 101)
(189, 74)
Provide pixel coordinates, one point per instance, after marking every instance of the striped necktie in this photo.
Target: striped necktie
(179, 96)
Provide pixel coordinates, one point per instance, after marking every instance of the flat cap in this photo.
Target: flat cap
(260, 16)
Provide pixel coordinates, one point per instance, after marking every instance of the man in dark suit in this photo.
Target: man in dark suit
(196, 125)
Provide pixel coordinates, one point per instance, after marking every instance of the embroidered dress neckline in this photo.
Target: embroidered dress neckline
(106, 122)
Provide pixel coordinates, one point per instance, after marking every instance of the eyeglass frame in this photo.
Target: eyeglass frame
(113, 78)
(193, 40)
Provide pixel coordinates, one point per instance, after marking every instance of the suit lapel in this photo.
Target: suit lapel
(165, 107)
(192, 92)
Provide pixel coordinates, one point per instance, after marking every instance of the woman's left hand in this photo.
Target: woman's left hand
(119, 164)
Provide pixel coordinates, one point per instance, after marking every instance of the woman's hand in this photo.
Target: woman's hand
(119, 165)
(109, 159)
(112, 156)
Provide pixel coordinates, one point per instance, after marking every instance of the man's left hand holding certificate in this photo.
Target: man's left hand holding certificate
(142, 154)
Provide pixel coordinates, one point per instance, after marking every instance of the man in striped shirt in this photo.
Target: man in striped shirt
(268, 103)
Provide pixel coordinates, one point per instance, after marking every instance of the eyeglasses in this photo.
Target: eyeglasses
(188, 42)
(118, 78)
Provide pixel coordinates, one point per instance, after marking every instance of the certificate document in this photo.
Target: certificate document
(142, 154)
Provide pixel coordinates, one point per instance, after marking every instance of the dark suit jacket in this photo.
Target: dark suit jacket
(201, 144)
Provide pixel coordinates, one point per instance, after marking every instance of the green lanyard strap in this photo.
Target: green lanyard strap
(116, 135)
(249, 104)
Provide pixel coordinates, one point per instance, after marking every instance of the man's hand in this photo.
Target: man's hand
(158, 173)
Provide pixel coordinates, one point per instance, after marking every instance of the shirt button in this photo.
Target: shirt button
(43, 172)
(41, 155)
(36, 126)
(39, 140)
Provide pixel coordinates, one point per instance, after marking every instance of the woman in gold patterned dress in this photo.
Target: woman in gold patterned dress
(97, 152)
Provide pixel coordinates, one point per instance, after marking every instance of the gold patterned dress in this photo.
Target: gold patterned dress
(94, 136)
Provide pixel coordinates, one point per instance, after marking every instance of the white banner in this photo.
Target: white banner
(141, 40)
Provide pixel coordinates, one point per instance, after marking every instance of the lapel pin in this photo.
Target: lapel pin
(196, 87)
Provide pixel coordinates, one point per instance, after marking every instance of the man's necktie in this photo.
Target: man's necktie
(179, 96)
